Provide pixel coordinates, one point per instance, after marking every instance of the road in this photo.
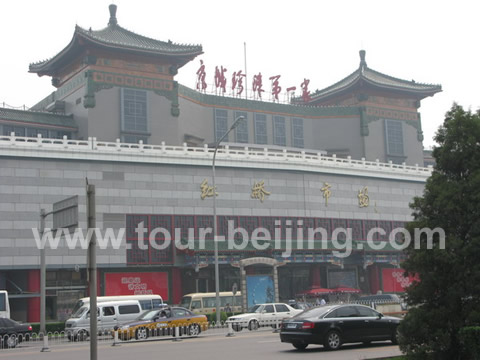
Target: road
(245, 345)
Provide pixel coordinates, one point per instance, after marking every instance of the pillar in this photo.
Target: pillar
(33, 305)
(243, 288)
(275, 282)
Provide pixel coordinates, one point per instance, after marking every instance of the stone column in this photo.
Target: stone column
(243, 288)
(275, 282)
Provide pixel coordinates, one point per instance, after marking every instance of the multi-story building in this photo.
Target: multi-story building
(348, 156)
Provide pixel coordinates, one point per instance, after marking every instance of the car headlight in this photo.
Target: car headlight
(232, 319)
(124, 328)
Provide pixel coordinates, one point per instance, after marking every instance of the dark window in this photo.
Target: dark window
(57, 134)
(33, 132)
(347, 311)
(279, 133)
(221, 123)
(18, 130)
(128, 309)
(297, 132)
(179, 313)
(269, 309)
(366, 312)
(197, 304)
(146, 304)
(281, 308)
(261, 129)
(241, 131)
(394, 136)
(108, 311)
(134, 110)
(156, 303)
(3, 306)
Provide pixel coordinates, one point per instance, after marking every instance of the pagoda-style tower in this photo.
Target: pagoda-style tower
(114, 56)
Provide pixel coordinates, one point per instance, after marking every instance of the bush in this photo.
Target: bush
(470, 341)
(49, 327)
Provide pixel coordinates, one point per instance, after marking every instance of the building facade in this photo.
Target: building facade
(347, 157)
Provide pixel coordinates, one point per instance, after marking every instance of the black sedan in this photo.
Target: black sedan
(12, 333)
(332, 326)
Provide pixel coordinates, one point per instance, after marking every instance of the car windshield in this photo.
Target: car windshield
(186, 302)
(79, 312)
(254, 309)
(148, 315)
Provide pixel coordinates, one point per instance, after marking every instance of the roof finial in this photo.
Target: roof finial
(113, 13)
(363, 63)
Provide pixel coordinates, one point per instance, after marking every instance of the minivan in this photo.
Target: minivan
(109, 314)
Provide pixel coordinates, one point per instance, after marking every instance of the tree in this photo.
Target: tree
(446, 297)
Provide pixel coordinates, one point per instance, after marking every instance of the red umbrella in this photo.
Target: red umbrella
(315, 291)
(345, 289)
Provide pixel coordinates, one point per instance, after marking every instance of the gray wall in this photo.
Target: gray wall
(27, 185)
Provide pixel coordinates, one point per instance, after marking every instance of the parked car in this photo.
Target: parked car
(334, 325)
(262, 315)
(12, 333)
(163, 322)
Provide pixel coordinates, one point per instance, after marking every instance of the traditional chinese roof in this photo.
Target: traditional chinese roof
(114, 37)
(37, 118)
(366, 76)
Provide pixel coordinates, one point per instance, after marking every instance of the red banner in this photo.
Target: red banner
(137, 283)
(394, 281)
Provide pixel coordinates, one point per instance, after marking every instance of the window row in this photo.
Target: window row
(260, 128)
(34, 132)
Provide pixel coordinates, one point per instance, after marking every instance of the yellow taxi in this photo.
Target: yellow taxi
(163, 321)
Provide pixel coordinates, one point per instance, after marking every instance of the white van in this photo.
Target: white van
(109, 314)
(147, 302)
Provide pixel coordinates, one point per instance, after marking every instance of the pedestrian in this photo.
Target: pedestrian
(228, 309)
(322, 302)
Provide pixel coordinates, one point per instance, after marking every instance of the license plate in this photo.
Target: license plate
(291, 326)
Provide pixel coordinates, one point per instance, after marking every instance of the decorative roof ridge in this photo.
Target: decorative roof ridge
(320, 91)
(91, 33)
(398, 79)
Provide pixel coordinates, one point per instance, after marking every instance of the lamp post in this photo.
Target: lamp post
(215, 242)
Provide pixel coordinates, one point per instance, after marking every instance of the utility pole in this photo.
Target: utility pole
(92, 269)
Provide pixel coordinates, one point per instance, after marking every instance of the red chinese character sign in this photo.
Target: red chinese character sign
(305, 92)
(237, 82)
(220, 79)
(276, 88)
(137, 283)
(257, 86)
(201, 84)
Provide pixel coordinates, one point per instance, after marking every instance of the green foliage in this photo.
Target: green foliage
(49, 327)
(470, 342)
(447, 297)
(212, 317)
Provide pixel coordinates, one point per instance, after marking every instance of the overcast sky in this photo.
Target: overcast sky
(433, 42)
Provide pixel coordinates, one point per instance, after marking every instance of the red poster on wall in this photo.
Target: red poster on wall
(137, 283)
(394, 281)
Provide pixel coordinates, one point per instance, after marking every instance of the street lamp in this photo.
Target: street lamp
(215, 242)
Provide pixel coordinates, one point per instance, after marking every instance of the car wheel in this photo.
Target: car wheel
(141, 333)
(12, 341)
(333, 340)
(253, 325)
(194, 330)
(237, 327)
(395, 337)
(82, 335)
(300, 346)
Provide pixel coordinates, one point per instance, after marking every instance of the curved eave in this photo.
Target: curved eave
(48, 66)
(183, 56)
(417, 93)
